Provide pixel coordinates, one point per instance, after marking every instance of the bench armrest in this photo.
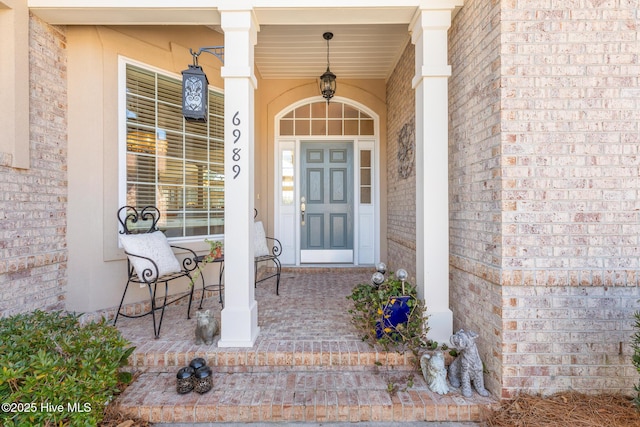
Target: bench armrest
(189, 262)
(276, 246)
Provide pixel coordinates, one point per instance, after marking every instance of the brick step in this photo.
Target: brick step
(375, 394)
(155, 356)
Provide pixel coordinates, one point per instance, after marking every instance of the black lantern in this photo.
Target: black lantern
(195, 86)
(328, 79)
(195, 94)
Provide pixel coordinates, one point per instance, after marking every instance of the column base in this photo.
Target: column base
(239, 326)
(440, 326)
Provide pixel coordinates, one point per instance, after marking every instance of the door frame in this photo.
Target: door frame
(366, 250)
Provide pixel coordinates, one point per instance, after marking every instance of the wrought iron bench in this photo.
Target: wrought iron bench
(151, 260)
(267, 250)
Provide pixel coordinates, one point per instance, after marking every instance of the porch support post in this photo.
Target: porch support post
(239, 322)
(429, 34)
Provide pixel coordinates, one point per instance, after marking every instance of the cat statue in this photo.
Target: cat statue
(207, 327)
(434, 372)
(466, 369)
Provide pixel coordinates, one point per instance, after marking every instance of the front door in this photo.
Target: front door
(326, 202)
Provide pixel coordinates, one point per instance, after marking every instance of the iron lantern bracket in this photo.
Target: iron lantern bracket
(217, 51)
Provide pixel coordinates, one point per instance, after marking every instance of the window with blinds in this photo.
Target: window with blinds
(175, 165)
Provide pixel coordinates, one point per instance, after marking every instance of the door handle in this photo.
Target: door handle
(303, 208)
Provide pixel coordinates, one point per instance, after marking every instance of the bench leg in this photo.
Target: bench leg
(276, 261)
(191, 295)
(152, 293)
(121, 302)
(164, 305)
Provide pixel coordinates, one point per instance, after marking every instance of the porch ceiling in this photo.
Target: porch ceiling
(355, 52)
(367, 40)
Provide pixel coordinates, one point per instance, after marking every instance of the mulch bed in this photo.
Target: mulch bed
(114, 417)
(566, 409)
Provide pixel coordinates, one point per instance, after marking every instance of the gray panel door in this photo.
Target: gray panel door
(327, 192)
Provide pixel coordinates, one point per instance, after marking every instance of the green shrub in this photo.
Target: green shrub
(636, 355)
(370, 307)
(53, 371)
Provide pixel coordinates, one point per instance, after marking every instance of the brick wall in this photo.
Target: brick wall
(554, 253)
(33, 250)
(571, 173)
(474, 180)
(401, 188)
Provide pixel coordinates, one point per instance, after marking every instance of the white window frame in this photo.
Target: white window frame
(122, 136)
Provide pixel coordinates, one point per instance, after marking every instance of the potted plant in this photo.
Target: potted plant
(215, 247)
(215, 253)
(389, 313)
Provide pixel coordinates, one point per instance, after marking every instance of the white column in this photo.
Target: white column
(239, 325)
(432, 196)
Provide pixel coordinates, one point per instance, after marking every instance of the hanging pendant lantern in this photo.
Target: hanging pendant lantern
(195, 94)
(328, 79)
(195, 91)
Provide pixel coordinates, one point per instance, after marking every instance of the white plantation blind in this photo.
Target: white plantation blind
(175, 165)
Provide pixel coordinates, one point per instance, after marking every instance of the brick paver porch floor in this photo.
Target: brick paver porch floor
(308, 364)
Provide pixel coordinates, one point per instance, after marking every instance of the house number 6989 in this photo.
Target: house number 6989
(236, 151)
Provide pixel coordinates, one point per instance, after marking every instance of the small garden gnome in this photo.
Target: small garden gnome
(467, 367)
(206, 328)
(434, 372)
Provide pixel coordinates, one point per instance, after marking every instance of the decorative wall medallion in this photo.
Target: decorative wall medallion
(406, 149)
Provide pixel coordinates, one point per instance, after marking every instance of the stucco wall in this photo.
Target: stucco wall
(33, 245)
(545, 172)
(401, 200)
(97, 266)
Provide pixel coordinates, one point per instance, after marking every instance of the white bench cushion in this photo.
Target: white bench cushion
(260, 240)
(154, 246)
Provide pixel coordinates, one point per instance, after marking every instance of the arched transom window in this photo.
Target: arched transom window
(326, 119)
